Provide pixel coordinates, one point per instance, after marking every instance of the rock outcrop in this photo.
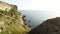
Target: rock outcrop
(50, 26)
(11, 21)
(5, 6)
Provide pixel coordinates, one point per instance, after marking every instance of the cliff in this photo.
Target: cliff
(50, 26)
(11, 21)
(5, 6)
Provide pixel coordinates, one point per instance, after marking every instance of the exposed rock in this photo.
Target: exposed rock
(11, 21)
(5, 6)
(50, 26)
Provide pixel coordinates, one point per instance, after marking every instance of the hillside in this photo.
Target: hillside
(11, 21)
(50, 26)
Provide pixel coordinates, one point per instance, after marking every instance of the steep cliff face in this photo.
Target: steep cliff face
(50, 26)
(11, 21)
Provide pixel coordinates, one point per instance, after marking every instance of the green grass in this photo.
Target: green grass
(14, 28)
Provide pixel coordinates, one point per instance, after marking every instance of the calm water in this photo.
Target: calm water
(36, 17)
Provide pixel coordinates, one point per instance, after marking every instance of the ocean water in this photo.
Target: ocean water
(37, 17)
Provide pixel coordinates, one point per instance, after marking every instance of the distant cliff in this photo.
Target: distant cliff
(50, 26)
(11, 21)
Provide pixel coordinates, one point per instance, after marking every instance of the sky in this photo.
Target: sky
(49, 5)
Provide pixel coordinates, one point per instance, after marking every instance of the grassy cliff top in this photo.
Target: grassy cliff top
(11, 22)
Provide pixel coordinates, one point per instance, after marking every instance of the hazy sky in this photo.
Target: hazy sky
(50, 5)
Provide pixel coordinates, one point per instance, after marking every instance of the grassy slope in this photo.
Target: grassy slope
(13, 27)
